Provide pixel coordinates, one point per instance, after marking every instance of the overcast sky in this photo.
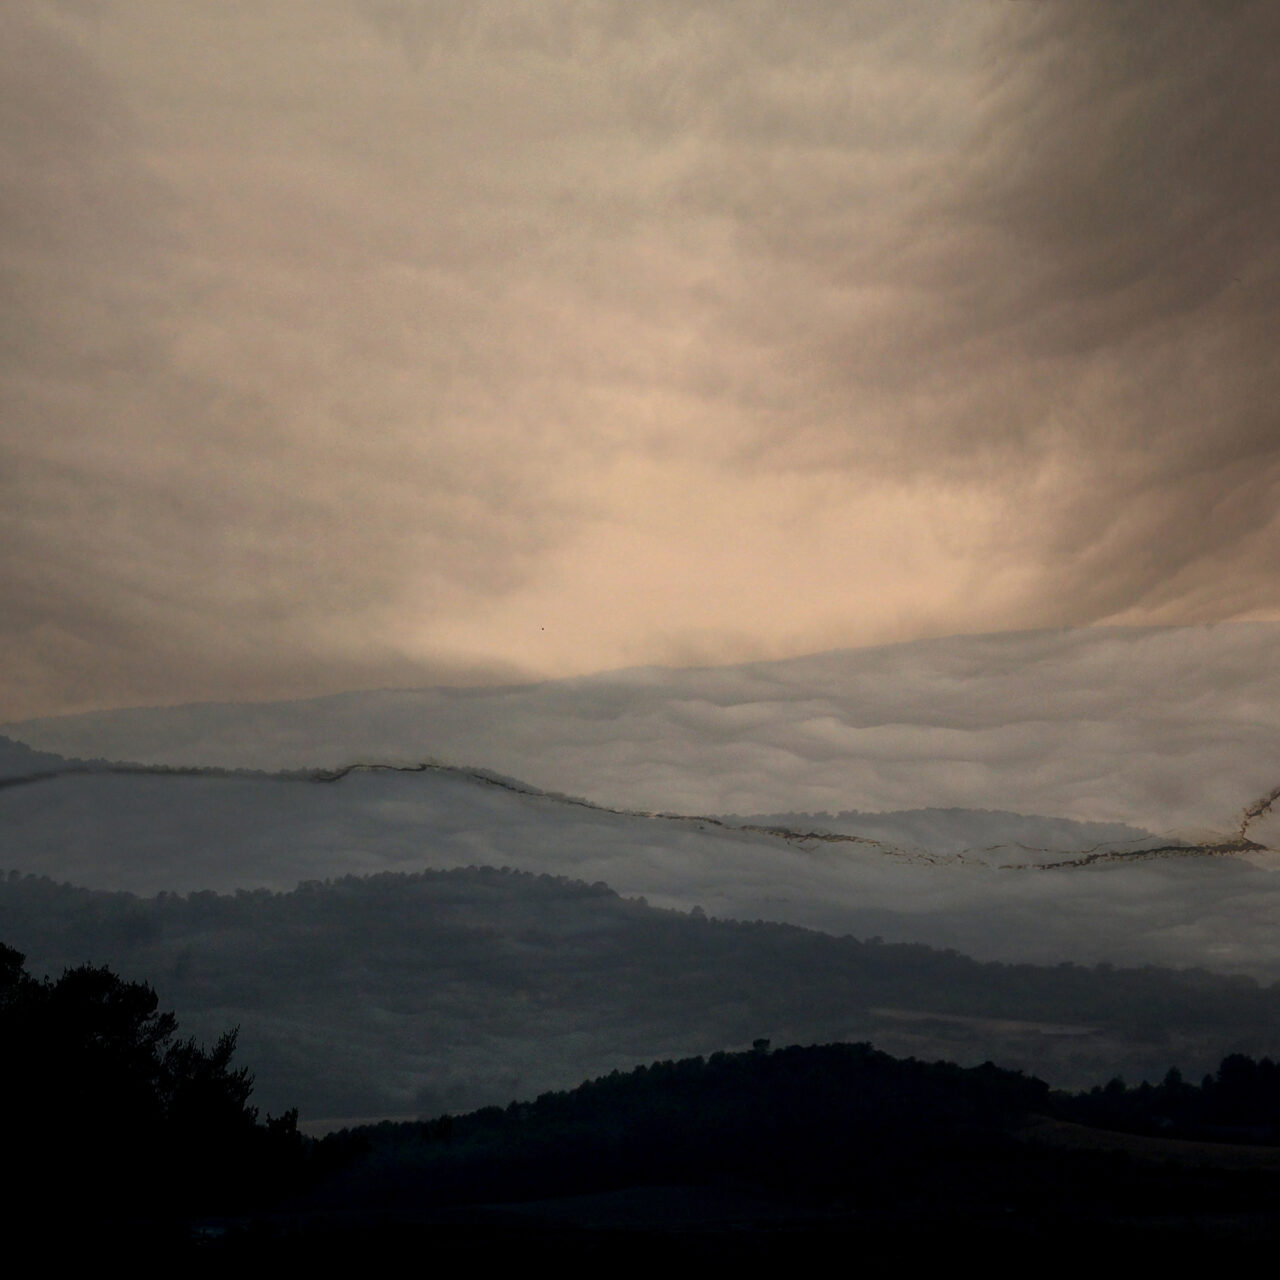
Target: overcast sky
(378, 342)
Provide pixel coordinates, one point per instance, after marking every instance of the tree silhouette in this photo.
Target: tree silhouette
(110, 1114)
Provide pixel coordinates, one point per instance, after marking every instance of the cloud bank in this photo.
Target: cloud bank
(1171, 729)
(411, 342)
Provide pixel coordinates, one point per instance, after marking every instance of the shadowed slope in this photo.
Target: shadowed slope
(395, 994)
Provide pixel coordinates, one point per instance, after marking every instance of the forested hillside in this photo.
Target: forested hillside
(416, 994)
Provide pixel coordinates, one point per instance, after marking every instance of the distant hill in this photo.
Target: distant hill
(19, 761)
(1166, 728)
(912, 877)
(395, 995)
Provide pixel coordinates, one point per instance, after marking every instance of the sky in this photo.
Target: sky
(366, 343)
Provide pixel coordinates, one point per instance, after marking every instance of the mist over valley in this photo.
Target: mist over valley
(396, 938)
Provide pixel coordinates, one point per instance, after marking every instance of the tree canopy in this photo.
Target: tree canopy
(111, 1113)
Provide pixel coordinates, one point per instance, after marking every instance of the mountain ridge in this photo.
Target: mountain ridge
(393, 993)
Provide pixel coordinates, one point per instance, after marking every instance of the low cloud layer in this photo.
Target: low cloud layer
(1171, 729)
(412, 342)
(170, 833)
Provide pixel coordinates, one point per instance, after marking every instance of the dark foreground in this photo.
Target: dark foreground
(126, 1142)
(785, 1156)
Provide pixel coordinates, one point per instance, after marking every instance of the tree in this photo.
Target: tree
(108, 1107)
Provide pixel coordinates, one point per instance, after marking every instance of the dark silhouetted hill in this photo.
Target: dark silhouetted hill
(777, 1157)
(442, 991)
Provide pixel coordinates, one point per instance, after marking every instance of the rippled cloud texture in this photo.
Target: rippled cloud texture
(366, 342)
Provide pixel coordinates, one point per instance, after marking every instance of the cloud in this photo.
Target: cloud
(1094, 294)
(550, 337)
(1168, 728)
(203, 471)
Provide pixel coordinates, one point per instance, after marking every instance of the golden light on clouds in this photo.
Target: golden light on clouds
(393, 342)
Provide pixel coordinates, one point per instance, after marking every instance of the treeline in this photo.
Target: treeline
(442, 991)
(124, 1137)
(782, 1153)
(818, 1117)
(1239, 1103)
(812, 1119)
